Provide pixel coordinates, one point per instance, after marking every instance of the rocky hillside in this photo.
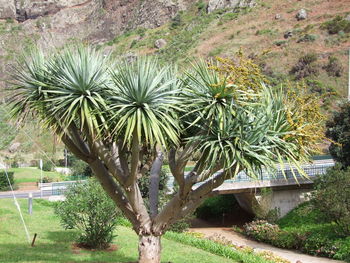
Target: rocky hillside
(294, 40)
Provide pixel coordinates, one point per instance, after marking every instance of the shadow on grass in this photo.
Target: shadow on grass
(57, 249)
(68, 236)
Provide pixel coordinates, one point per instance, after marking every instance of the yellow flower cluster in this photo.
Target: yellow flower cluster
(304, 115)
(241, 74)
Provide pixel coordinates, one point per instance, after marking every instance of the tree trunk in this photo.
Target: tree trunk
(149, 249)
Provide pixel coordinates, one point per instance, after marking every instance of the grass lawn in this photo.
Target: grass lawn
(54, 244)
(32, 174)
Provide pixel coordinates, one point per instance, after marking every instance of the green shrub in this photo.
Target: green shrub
(4, 184)
(304, 228)
(343, 252)
(333, 67)
(180, 226)
(307, 38)
(320, 245)
(14, 164)
(46, 179)
(47, 166)
(80, 168)
(280, 43)
(144, 184)
(262, 230)
(88, 209)
(338, 129)
(201, 5)
(332, 197)
(337, 25)
(133, 43)
(303, 215)
(176, 21)
(265, 32)
(306, 66)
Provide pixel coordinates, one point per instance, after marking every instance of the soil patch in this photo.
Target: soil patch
(76, 248)
(28, 186)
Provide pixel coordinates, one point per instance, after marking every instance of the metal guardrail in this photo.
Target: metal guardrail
(313, 170)
(60, 188)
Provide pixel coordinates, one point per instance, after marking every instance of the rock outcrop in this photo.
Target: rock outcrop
(160, 43)
(230, 4)
(22, 10)
(301, 15)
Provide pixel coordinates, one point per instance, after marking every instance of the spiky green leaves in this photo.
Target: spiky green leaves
(144, 98)
(64, 88)
(233, 125)
(235, 129)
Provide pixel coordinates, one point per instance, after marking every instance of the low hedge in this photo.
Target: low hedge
(4, 184)
(305, 229)
(217, 248)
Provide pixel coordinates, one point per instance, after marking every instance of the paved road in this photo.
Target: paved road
(25, 194)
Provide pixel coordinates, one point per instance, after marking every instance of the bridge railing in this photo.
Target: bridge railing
(312, 170)
(59, 188)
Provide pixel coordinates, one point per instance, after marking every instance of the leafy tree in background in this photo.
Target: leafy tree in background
(123, 119)
(338, 130)
(332, 197)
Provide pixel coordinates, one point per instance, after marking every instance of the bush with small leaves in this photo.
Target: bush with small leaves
(337, 25)
(81, 168)
(4, 184)
(305, 66)
(338, 130)
(181, 225)
(332, 197)
(262, 230)
(45, 179)
(47, 166)
(88, 209)
(334, 68)
(307, 38)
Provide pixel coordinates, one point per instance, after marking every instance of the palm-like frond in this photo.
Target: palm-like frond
(78, 83)
(66, 87)
(144, 99)
(251, 136)
(28, 80)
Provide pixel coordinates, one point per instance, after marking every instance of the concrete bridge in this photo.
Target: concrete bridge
(286, 190)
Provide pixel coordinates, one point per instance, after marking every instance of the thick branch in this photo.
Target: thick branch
(177, 165)
(110, 161)
(180, 205)
(136, 201)
(123, 158)
(154, 184)
(75, 149)
(176, 170)
(135, 158)
(76, 137)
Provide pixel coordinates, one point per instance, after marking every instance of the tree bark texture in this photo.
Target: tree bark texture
(149, 249)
